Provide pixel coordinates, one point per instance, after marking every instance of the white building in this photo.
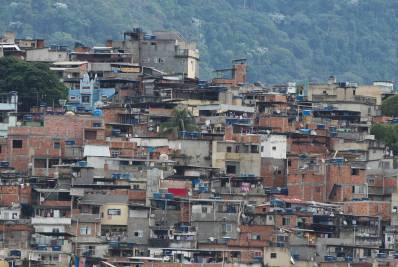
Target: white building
(274, 146)
(8, 105)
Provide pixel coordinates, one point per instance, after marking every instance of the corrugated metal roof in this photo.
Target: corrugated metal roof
(100, 199)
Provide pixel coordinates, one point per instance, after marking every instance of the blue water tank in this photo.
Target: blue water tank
(330, 258)
(97, 113)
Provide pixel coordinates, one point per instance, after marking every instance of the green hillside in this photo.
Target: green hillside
(282, 39)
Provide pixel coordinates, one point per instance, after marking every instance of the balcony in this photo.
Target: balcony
(210, 217)
(160, 243)
(359, 242)
(248, 243)
(56, 203)
(73, 152)
(238, 190)
(51, 221)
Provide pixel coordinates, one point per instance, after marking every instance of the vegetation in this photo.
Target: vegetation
(389, 106)
(282, 39)
(387, 133)
(34, 82)
(182, 120)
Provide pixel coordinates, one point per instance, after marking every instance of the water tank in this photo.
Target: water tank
(97, 113)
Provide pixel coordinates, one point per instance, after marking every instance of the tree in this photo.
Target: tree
(35, 83)
(282, 40)
(182, 120)
(389, 106)
(388, 134)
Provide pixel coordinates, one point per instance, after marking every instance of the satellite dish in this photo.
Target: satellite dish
(211, 239)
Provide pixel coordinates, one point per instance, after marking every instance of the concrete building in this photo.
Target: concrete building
(274, 146)
(47, 54)
(240, 159)
(166, 51)
(8, 108)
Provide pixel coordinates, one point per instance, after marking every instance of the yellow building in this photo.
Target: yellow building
(114, 214)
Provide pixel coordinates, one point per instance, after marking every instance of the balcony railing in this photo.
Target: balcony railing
(51, 220)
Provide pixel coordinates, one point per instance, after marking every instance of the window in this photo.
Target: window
(353, 92)
(85, 99)
(255, 237)
(162, 60)
(257, 253)
(204, 209)
(115, 153)
(57, 145)
(114, 212)
(0, 149)
(371, 181)
(17, 143)
(227, 227)
(70, 142)
(85, 230)
(300, 222)
(138, 233)
(273, 255)
(262, 148)
(354, 171)
(40, 163)
(229, 149)
(286, 221)
(90, 134)
(274, 148)
(52, 162)
(231, 169)
(254, 149)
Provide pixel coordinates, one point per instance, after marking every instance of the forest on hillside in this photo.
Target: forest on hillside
(283, 40)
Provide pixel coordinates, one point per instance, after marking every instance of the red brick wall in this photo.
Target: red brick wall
(341, 175)
(368, 208)
(15, 194)
(278, 124)
(39, 141)
(240, 73)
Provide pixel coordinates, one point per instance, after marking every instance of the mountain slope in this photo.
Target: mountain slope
(282, 39)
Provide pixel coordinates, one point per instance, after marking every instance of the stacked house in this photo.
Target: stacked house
(251, 175)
